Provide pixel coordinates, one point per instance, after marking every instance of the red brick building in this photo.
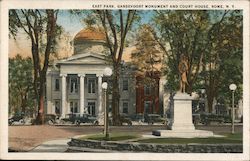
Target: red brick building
(147, 96)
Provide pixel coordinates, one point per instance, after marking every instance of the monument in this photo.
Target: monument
(183, 126)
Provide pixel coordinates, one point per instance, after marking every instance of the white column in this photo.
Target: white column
(81, 93)
(100, 110)
(64, 102)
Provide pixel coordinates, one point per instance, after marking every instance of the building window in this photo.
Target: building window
(57, 107)
(125, 85)
(147, 90)
(73, 85)
(147, 106)
(57, 85)
(125, 107)
(91, 85)
(74, 107)
(91, 108)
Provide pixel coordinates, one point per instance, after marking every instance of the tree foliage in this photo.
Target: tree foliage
(147, 55)
(116, 24)
(184, 32)
(147, 60)
(41, 28)
(21, 95)
(223, 61)
(212, 41)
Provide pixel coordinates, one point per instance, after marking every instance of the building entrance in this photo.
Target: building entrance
(91, 108)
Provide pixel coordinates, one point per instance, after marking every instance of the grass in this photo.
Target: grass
(112, 137)
(230, 138)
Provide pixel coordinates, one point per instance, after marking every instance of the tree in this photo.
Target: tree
(147, 59)
(205, 37)
(21, 93)
(222, 64)
(116, 24)
(182, 32)
(41, 28)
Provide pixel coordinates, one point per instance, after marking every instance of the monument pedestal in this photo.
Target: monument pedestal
(183, 126)
(183, 112)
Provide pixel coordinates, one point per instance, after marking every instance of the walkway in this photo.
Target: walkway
(52, 146)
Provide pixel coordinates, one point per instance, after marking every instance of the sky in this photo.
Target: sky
(72, 24)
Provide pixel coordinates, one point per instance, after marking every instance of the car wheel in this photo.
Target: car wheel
(96, 123)
(78, 122)
(61, 122)
(150, 123)
(50, 122)
(21, 121)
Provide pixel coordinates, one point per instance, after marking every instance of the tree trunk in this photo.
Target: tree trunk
(115, 97)
(189, 88)
(210, 99)
(40, 116)
(24, 104)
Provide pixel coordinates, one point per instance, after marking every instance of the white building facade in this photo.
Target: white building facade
(74, 84)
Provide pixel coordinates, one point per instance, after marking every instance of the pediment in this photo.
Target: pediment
(89, 58)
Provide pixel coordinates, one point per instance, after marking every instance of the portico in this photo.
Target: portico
(85, 91)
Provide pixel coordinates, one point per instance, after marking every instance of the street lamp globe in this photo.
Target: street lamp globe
(104, 85)
(107, 71)
(232, 87)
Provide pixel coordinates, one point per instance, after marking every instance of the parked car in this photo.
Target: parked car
(16, 118)
(124, 119)
(86, 118)
(196, 118)
(154, 118)
(137, 117)
(206, 119)
(227, 118)
(50, 119)
(78, 119)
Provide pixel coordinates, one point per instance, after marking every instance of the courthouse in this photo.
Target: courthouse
(74, 84)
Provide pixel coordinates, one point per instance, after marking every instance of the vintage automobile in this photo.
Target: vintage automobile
(208, 118)
(137, 117)
(196, 118)
(124, 120)
(50, 119)
(16, 118)
(78, 119)
(154, 118)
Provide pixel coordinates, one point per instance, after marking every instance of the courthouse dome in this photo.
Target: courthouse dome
(89, 40)
(90, 34)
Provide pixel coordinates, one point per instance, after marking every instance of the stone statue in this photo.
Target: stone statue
(183, 68)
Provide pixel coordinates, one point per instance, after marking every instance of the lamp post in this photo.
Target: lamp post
(232, 87)
(107, 72)
(104, 87)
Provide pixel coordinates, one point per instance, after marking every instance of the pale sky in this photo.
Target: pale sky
(71, 24)
(22, 45)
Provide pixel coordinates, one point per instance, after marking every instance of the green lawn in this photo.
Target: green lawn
(112, 137)
(230, 138)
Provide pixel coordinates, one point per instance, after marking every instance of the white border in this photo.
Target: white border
(87, 4)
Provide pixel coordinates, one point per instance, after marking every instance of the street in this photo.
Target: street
(25, 138)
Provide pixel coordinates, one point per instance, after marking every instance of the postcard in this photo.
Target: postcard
(124, 80)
